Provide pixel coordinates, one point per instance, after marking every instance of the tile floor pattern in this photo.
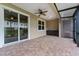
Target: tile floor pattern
(43, 46)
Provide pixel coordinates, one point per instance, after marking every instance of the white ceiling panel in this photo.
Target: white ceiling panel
(62, 6)
(33, 7)
(67, 13)
(52, 12)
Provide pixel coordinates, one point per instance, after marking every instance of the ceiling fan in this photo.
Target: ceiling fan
(41, 12)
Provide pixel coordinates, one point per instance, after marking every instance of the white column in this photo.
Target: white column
(60, 30)
(29, 29)
(18, 27)
(1, 27)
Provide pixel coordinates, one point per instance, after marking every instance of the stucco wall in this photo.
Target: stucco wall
(34, 30)
(34, 33)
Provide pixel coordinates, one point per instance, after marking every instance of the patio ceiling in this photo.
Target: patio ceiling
(66, 10)
(33, 8)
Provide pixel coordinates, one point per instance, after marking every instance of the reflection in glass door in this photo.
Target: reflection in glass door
(23, 27)
(10, 26)
(13, 29)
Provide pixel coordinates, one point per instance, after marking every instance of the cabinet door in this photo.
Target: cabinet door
(10, 26)
(23, 27)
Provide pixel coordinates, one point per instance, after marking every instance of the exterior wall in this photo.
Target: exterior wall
(52, 25)
(34, 33)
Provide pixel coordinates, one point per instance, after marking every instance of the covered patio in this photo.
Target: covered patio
(42, 46)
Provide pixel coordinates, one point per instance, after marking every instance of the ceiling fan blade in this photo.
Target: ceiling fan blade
(39, 15)
(40, 10)
(45, 11)
(44, 14)
(36, 13)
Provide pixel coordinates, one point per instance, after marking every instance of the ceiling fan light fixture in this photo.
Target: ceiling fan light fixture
(41, 12)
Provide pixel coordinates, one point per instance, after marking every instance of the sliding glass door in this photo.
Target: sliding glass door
(15, 28)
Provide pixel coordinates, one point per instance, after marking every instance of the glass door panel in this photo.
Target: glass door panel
(23, 27)
(10, 26)
(23, 33)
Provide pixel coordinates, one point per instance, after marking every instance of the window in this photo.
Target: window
(40, 25)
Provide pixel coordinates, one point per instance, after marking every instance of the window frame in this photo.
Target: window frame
(19, 12)
(40, 25)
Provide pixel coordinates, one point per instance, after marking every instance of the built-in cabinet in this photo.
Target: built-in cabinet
(14, 26)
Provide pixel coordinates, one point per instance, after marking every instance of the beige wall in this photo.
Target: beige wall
(34, 33)
(34, 30)
(52, 24)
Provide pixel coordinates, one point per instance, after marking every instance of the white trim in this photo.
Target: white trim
(1, 27)
(60, 25)
(29, 35)
(8, 8)
(8, 44)
(18, 27)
